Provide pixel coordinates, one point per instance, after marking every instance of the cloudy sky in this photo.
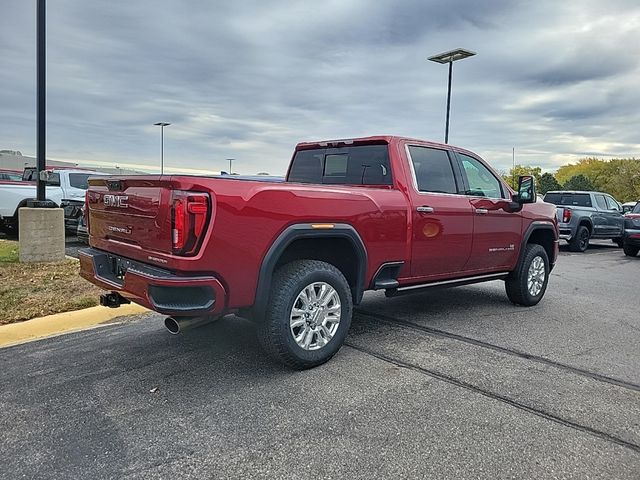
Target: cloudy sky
(249, 79)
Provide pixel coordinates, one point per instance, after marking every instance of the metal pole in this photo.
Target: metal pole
(513, 170)
(41, 101)
(230, 162)
(446, 132)
(161, 149)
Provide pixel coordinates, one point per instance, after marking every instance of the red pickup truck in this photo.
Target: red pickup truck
(377, 213)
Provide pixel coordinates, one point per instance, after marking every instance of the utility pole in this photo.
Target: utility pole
(230, 160)
(513, 170)
(444, 58)
(40, 226)
(162, 125)
(41, 75)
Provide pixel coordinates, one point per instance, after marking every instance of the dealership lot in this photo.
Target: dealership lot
(446, 384)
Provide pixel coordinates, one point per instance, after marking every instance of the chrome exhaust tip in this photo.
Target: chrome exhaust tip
(177, 325)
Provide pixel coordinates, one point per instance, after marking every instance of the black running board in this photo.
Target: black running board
(457, 282)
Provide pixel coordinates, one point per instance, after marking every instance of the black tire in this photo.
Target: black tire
(274, 332)
(11, 231)
(630, 250)
(618, 241)
(516, 284)
(580, 241)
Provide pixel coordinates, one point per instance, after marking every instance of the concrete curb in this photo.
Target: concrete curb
(37, 328)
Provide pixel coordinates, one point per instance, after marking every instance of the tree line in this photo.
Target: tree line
(619, 177)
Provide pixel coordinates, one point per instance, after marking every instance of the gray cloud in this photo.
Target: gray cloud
(250, 79)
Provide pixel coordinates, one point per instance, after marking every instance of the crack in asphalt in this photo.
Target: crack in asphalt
(479, 343)
(494, 396)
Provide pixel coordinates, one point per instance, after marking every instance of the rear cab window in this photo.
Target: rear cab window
(79, 180)
(349, 165)
(569, 199)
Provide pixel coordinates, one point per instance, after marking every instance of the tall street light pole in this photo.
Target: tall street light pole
(230, 160)
(162, 125)
(42, 104)
(450, 57)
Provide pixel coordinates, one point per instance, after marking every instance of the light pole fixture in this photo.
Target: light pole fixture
(230, 160)
(450, 57)
(162, 125)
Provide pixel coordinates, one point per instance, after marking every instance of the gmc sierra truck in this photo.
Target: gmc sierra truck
(586, 215)
(377, 213)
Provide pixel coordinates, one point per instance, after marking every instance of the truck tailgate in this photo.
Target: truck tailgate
(134, 212)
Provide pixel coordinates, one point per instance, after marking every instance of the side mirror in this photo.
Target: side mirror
(526, 190)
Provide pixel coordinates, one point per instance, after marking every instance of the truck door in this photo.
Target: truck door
(442, 216)
(615, 220)
(599, 218)
(497, 234)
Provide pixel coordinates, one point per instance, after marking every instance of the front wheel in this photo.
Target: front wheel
(527, 284)
(630, 251)
(308, 314)
(618, 241)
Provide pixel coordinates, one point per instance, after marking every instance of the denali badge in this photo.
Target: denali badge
(113, 228)
(120, 201)
(510, 248)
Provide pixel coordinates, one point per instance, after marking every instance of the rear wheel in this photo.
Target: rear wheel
(630, 250)
(580, 241)
(526, 285)
(308, 314)
(10, 229)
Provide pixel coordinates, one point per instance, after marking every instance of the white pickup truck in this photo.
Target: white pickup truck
(65, 188)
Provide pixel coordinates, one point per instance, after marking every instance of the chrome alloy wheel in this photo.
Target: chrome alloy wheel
(535, 276)
(315, 316)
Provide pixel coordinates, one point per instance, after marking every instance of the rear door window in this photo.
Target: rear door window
(601, 202)
(433, 170)
(355, 165)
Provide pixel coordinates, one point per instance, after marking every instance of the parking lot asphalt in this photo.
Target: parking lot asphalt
(446, 384)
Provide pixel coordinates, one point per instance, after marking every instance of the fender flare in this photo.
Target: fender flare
(534, 226)
(306, 230)
(586, 220)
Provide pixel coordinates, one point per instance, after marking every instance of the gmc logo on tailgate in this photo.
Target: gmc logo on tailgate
(120, 201)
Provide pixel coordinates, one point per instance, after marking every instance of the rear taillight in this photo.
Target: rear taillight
(566, 215)
(189, 218)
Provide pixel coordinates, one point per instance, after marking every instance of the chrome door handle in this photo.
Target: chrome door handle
(424, 209)
(482, 211)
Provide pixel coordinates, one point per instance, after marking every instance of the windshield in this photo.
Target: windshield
(636, 209)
